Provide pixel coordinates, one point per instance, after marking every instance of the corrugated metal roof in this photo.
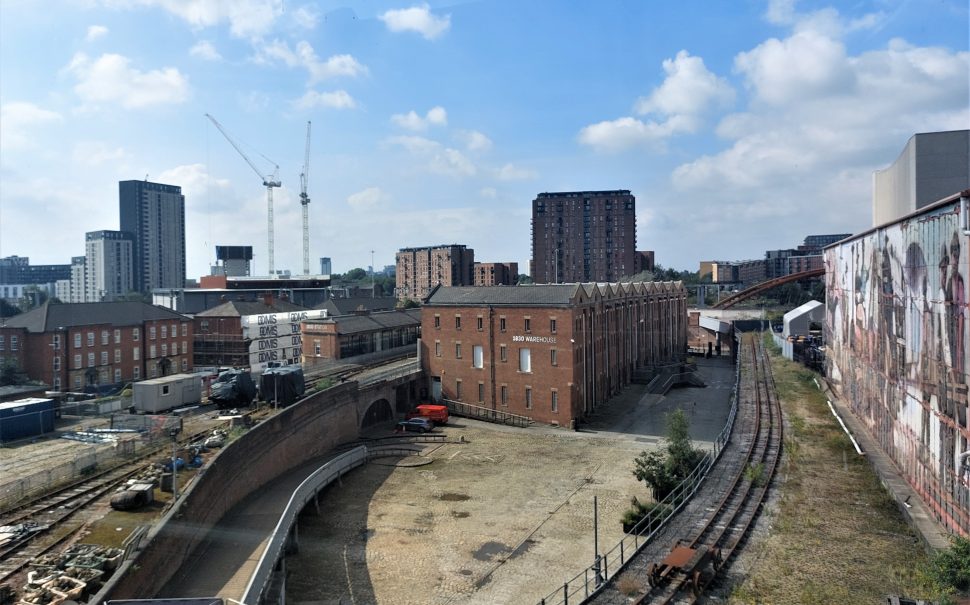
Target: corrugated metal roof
(65, 315)
(352, 324)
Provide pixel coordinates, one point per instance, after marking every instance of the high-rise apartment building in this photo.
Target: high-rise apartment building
(419, 270)
(583, 236)
(496, 274)
(108, 264)
(325, 265)
(154, 214)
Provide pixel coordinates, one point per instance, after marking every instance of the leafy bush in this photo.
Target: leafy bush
(638, 511)
(950, 569)
(663, 470)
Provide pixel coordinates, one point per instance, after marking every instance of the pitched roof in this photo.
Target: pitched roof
(351, 324)
(523, 295)
(65, 315)
(346, 306)
(238, 308)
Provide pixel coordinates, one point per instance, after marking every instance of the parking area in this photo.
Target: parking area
(498, 514)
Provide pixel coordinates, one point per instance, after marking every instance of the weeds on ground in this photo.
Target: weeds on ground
(629, 586)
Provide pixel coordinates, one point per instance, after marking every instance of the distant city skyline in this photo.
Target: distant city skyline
(737, 127)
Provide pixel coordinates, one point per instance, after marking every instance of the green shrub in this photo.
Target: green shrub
(950, 568)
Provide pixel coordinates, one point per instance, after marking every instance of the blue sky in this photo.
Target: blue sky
(739, 126)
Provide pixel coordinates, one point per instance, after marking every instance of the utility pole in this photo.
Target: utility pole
(373, 294)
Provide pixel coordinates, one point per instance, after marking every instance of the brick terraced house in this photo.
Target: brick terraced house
(94, 346)
(550, 352)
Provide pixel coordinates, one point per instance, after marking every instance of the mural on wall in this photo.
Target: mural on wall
(897, 330)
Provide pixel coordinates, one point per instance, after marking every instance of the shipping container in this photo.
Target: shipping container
(166, 393)
(26, 418)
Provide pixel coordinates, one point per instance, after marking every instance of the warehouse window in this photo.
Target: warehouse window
(457, 350)
(164, 350)
(554, 401)
(90, 360)
(185, 329)
(151, 333)
(136, 353)
(104, 358)
(553, 358)
(528, 398)
(528, 324)
(154, 367)
(175, 330)
(117, 355)
(437, 348)
(481, 392)
(503, 352)
(117, 375)
(477, 361)
(77, 362)
(316, 348)
(57, 364)
(136, 373)
(458, 389)
(505, 395)
(90, 339)
(185, 347)
(437, 321)
(14, 342)
(185, 364)
(117, 337)
(104, 337)
(164, 331)
(151, 352)
(77, 341)
(458, 322)
(481, 323)
(501, 324)
(57, 342)
(1, 342)
(525, 360)
(552, 326)
(135, 333)
(77, 382)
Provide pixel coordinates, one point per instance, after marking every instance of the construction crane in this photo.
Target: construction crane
(305, 202)
(269, 182)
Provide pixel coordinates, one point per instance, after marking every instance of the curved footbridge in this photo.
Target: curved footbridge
(227, 534)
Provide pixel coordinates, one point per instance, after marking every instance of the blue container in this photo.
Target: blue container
(26, 418)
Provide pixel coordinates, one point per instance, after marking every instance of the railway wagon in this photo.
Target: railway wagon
(162, 394)
(26, 418)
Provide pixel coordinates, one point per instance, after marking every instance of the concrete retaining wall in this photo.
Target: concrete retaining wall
(300, 433)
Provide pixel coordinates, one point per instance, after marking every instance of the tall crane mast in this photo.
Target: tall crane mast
(305, 202)
(269, 182)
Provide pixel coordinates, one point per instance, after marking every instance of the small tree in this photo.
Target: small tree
(663, 470)
(11, 374)
(950, 568)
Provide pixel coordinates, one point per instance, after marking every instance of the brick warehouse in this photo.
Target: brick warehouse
(74, 346)
(551, 352)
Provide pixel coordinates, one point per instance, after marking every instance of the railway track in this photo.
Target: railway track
(53, 510)
(699, 557)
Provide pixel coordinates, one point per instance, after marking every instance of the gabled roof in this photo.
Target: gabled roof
(523, 295)
(51, 316)
(351, 324)
(346, 306)
(238, 308)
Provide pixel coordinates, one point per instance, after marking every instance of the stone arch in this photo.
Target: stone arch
(378, 412)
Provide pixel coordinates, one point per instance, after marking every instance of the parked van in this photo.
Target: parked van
(435, 413)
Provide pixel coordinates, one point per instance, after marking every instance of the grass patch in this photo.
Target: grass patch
(836, 535)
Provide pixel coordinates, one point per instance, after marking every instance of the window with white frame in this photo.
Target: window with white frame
(77, 340)
(104, 358)
(117, 374)
(151, 333)
(57, 364)
(477, 361)
(525, 360)
(136, 372)
(185, 347)
(77, 361)
(135, 334)
(14, 342)
(136, 353)
(117, 355)
(117, 337)
(154, 372)
(90, 360)
(2, 344)
(164, 350)
(164, 331)
(185, 364)
(151, 352)
(185, 329)
(90, 339)
(77, 382)
(104, 337)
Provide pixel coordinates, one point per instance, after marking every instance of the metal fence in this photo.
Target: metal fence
(592, 579)
(457, 408)
(21, 488)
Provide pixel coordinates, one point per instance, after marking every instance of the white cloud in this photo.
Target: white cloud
(436, 116)
(95, 32)
(488, 193)
(688, 92)
(305, 17)
(510, 172)
(417, 19)
(474, 140)
(205, 50)
(194, 180)
(247, 18)
(414, 144)
(111, 79)
(452, 162)
(368, 199)
(338, 99)
(96, 153)
(20, 120)
(820, 119)
(306, 57)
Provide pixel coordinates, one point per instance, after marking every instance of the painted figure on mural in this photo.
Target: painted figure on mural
(915, 276)
(942, 356)
(956, 308)
(887, 327)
